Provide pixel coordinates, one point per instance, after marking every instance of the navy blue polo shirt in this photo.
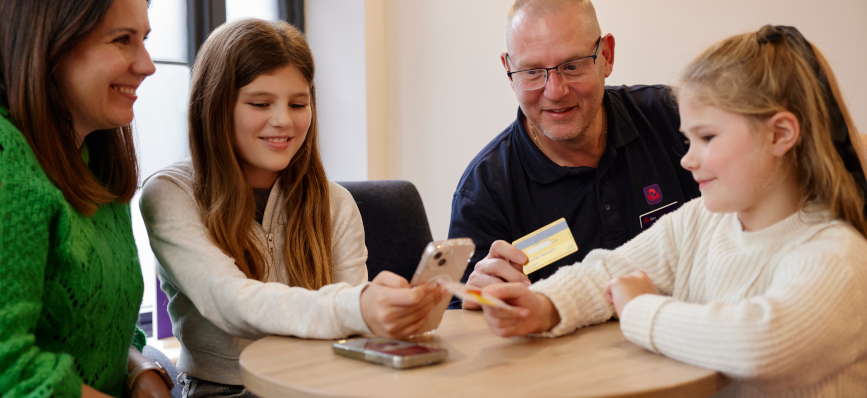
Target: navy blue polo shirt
(511, 188)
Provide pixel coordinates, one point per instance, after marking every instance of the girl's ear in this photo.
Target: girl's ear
(786, 130)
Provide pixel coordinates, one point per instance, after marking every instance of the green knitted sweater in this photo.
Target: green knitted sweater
(70, 285)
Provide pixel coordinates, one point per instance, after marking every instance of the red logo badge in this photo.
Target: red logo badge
(653, 194)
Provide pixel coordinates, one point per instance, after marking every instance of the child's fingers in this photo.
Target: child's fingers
(411, 297)
(412, 328)
(412, 312)
(397, 319)
(507, 291)
(417, 311)
(390, 279)
(503, 322)
(432, 293)
(401, 297)
(506, 313)
(607, 294)
(504, 331)
(639, 274)
(406, 320)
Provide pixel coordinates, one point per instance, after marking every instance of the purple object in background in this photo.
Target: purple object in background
(163, 323)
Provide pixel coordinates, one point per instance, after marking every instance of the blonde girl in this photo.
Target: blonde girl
(251, 237)
(763, 278)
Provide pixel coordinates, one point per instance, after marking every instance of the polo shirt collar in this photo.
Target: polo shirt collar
(543, 170)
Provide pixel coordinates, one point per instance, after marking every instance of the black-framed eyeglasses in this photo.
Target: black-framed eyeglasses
(571, 71)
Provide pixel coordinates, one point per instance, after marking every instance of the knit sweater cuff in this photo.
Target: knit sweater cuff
(62, 381)
(636, 319)
(349, 310)
(139, 339)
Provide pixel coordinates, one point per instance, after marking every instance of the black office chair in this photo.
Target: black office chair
(396, 229)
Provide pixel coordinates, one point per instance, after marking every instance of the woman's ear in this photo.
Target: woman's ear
(786, 130)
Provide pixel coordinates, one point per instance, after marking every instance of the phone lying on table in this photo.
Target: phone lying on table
(393, 353)
(444, 259)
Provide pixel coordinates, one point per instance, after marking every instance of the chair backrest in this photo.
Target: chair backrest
(396, 229)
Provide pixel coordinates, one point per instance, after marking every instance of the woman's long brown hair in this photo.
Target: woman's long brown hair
(232, 57)
(34, 37)
(750, 75)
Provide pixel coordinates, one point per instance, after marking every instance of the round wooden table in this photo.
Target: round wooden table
(596, 361)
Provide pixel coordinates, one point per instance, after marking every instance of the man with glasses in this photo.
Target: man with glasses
(607, 159)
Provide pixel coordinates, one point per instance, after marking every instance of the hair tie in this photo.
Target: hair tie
(838, 128)
(768, 34)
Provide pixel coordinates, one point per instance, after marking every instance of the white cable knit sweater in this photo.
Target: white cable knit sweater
(216, 311)
(782, 311)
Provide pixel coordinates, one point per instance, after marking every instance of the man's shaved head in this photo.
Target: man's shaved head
(544, 34)
(523, 9)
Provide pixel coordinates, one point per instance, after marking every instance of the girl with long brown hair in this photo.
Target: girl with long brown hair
(251, 237)
(763, 277)
(71, 284)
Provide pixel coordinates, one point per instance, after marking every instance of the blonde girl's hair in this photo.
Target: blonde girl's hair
(232, 57)
(774, 70)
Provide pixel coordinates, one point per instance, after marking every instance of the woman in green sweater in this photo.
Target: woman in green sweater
(71, 283)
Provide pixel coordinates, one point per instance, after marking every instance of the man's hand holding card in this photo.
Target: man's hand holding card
(513, 262)
(502, 264)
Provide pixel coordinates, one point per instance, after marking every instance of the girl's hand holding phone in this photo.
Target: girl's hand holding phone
(391, 308)
(531, 312)
(622, 289)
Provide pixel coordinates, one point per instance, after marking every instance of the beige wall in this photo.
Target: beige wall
(377, 89)
(446, 93)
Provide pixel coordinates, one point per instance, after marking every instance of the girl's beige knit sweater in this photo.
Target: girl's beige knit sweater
(782, 311)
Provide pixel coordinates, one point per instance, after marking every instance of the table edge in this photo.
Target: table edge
(266, 386)
(263, 386)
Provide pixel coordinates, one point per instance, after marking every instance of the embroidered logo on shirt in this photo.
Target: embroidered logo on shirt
(653, 194)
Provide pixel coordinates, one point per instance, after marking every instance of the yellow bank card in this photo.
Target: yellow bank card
(546, 245)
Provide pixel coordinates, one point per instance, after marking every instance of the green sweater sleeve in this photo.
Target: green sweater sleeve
(25, 217)
(139, 340)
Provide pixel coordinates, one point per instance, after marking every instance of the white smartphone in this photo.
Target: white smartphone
(442, 259)
(393, 353)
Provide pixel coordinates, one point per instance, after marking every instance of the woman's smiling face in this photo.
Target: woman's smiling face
(99, 77)
(272, 116)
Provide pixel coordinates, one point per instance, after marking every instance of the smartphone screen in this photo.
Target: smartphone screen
(394, 353)
(390, 347)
